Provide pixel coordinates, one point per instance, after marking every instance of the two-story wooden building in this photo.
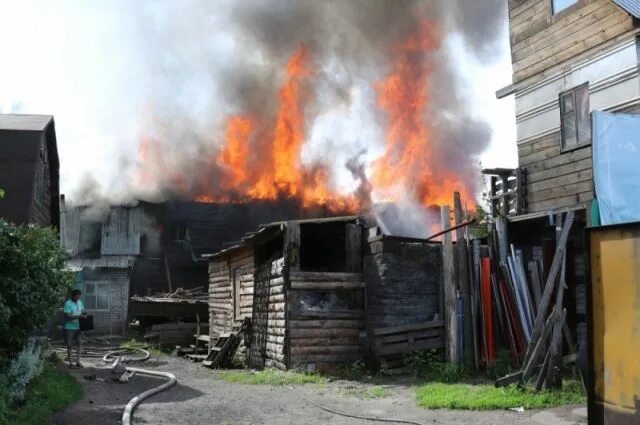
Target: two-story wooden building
(570, 57)
(29, 169)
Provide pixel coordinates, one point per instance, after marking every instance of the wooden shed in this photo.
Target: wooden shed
(301, 284)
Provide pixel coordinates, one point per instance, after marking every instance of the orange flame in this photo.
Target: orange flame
(408, 161)
(262, 160)
(277, 169)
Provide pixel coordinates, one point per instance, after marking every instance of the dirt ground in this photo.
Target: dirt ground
(202, 397)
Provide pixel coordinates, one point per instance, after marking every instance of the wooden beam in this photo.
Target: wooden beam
(292, 245)
(353, 246)
(449, 285)
(463, 282)
(551, 283)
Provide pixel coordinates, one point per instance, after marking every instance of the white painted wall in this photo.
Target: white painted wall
(614, 82)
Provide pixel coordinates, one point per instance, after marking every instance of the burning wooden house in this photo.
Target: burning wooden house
(304, 286)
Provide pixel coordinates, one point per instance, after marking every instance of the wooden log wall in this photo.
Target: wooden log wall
(268, 343)
(322, 338)
(229, 305)
(541, 40)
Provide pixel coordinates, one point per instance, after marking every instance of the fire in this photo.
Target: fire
(260, 157)
(408, 162)
(276, 170)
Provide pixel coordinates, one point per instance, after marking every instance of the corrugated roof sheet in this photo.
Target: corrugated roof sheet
(24, 122)
(107, 261)
(630, 6)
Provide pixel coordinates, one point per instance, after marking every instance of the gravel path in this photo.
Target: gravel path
(201, 397)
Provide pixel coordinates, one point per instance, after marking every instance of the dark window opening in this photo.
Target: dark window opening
(336, 301)
(90, 238)
(575, 120)
(323, 247)
(269, 250)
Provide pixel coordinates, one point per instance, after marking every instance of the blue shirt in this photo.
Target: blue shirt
(74, 309)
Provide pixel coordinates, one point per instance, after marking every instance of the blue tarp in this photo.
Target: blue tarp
(616, 166)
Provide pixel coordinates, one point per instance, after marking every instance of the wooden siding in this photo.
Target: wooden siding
(269, 332)
(403, 282)
(222, 296)
(540, 40)
(41, 210)
(322, 337)
(555, 179)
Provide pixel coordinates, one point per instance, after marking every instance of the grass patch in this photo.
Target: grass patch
(377, 392)
(364, 392)
(486, 397)
(272, 377)
(154, 351)
(46, 394)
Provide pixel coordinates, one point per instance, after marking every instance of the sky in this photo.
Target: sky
(86, 63)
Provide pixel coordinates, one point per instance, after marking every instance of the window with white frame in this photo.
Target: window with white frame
(575, 121)
(560, 5)
(96, 296)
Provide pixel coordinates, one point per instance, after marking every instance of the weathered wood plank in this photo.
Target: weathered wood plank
(315, 342)
(565, 29)
(559, 171)
(324, 277)
(449, 284)
(566, 158)
(400, 348)
(559, 192)
(353, 247)
(557, 203)
(297, 284)
(577, 177)
(326, 324)
(409, 328)
(589, 37)
(355, 314)
(296, 350)
(323, 333)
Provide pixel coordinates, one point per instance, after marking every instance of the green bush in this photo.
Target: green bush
(431, 364)
(46, 394)
(26, 366)
(34, 281)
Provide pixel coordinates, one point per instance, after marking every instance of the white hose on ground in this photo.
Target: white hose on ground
(118, 353)
(349, 415)
(128, 410)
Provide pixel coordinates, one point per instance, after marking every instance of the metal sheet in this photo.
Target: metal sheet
(614, 324)
(632, 7)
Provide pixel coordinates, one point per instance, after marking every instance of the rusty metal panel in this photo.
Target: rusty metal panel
(614, 324)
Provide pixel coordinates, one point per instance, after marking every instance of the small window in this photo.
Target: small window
(96, 296)
(575, 121)
(560, 5)
(40, 183)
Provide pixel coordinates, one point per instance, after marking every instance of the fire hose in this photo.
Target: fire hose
(122, 355)
(127, 415)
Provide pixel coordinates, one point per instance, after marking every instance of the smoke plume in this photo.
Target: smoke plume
(212, 62)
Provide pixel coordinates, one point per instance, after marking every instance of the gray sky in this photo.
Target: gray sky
(92, 64)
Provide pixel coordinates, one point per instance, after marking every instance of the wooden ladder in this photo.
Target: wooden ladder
(222, 352)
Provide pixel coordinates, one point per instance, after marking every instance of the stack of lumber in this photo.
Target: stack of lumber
(390, 344)
(180, 295)
(542, 318)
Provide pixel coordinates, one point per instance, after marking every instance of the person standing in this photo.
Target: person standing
(73, 311)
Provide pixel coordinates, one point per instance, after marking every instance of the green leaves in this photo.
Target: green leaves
(1, 193)
(34, 281)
